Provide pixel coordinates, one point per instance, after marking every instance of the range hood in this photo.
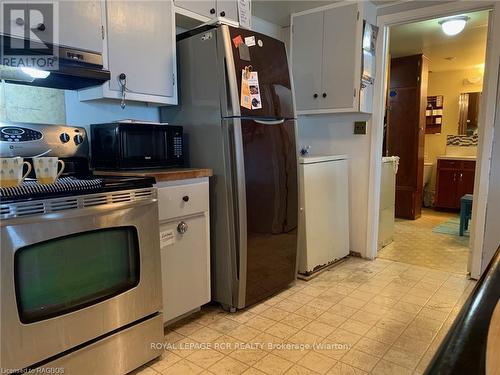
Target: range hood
(77, 69)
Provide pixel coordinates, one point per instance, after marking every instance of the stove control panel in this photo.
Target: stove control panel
(29, 140)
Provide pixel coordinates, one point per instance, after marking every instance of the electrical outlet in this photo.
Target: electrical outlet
(360, 127)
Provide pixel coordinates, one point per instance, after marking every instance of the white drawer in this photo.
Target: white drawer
(182, 199)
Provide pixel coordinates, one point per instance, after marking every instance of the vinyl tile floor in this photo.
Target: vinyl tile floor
(416, 243)
(359, 317)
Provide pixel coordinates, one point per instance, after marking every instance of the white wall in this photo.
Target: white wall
(92, 112)
(267, 28)
(333, 134)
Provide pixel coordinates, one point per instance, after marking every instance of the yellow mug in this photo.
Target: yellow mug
(46, 169)
(11, 171)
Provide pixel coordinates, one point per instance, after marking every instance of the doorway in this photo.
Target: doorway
(451, 73)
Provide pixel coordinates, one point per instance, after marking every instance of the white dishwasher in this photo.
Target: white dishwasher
(324, 229)
(183, 209)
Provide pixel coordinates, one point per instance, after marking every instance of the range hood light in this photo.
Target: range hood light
(35, 73)
(453, 26)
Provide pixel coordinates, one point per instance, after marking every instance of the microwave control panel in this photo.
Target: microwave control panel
(30, 140)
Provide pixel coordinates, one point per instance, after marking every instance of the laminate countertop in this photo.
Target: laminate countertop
(172, 174)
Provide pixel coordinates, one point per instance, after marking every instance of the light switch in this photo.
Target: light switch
(360, 127)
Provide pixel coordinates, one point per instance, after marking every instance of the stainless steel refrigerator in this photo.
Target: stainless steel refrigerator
(254, 191)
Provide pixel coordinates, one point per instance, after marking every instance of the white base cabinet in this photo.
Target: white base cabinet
(185, 245)
(324, 233)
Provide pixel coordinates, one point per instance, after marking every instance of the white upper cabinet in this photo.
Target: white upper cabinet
(228, 9)
(81, 24)
(139, 51)
(326, 57)
(307, 52)
(211, 8)
(204, 8)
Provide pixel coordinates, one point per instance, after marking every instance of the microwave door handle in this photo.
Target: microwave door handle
(270, 122)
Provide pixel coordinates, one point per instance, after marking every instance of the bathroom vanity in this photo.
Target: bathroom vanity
(455, 178)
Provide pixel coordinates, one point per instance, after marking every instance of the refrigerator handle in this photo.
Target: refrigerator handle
(270, 122)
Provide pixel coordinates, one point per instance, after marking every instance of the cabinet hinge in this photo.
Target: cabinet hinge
(102, 31)
(354, 92)
(357, 16)
(173, 79)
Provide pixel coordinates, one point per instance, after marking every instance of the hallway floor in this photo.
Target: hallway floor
(359, 317)
(416, 243)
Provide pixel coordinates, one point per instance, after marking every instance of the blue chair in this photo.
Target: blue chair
(465, 212)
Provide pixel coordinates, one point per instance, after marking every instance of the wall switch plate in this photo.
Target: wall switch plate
(360, 127)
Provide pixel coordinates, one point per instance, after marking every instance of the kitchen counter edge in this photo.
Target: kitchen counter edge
(162, 174)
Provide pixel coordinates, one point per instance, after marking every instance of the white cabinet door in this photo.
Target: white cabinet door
(341, 57)
(139, 40)
(185, 266)
(307, 50)
(228, 9)
(206, 8)
(80, 24)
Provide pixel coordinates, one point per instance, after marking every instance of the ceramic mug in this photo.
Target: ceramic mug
(11, 171)
(46, 169)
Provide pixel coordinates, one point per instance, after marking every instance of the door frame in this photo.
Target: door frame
(486, 119)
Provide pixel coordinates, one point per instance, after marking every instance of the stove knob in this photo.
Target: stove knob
(78, 139)
(64, 137)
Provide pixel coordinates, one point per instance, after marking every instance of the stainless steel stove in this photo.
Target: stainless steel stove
(79, 264)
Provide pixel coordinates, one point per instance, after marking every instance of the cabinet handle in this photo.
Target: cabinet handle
(461, 176)
(19, 21)
(315, 96)
(185, 198)
(212, 11)
(182, 227)
(222, 14)
(41, 27)
(454, 177)
(324, 95)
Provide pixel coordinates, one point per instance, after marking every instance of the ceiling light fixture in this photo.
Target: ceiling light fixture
(453, 26)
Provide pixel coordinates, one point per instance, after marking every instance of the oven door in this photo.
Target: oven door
(143, 146)
(72, 276)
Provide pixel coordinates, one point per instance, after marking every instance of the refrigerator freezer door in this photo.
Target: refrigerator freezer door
(270, 167)
(267, 57)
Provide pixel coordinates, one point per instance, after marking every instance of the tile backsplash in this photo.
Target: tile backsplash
(461, 140)
(20, 103)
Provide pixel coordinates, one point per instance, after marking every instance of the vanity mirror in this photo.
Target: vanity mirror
(468, 113)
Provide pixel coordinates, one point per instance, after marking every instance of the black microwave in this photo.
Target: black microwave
(136, 146)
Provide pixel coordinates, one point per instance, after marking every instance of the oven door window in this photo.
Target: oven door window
(144, 146)
(67, 273)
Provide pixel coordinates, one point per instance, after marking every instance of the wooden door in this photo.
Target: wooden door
(341, 48)
(406, 129)
(140, 45)
(447, 189)
(80, 24)
(206, 8)
(185, 266)
(307, 50)
(227, 9)
(466, 185)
